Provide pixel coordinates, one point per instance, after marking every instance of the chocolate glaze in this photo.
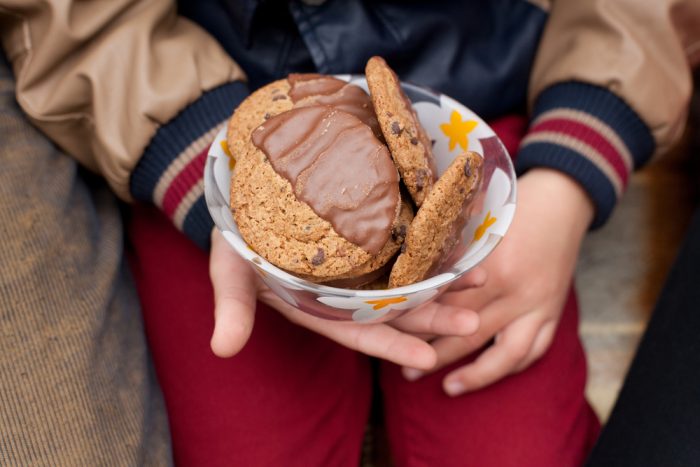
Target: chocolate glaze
(303, 85)
(315, 89)
(336, 166)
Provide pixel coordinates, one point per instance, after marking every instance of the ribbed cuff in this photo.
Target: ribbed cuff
(590, 134)
(170, 172)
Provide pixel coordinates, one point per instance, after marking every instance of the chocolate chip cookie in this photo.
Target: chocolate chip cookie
(410, 146)
(436, 228)
(317, 194)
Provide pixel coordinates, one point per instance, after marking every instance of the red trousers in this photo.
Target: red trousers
(294, 398)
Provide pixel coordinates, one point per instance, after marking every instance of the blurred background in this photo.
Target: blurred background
(623, 266)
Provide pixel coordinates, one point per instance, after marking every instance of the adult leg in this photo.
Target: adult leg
(76, 387)
(290, 397)
(656, 420)
(537, 418)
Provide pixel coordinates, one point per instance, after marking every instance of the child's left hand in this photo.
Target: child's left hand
(529, 276)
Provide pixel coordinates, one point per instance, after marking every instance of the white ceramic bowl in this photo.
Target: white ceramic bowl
(454, 128)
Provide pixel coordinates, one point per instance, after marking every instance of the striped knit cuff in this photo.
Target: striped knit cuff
(170, 172)
(590, 134)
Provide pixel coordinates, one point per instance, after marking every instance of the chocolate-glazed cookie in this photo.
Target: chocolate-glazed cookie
(313, 89)
(410, 146)
(263, 104)
(318, 194)
(435, 230)
(297, 90)
(379, 265)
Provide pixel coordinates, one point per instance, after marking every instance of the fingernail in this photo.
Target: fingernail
(411, 374)
(454, 388)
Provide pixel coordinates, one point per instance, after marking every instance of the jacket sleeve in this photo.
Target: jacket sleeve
(130, 89)
(609, 88)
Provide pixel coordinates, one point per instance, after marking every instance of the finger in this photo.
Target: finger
(436, 319)
(492, 319)
(543, 340)
(475, 298)
(475, 278)
(449, 349)
(377, 340)
(499, 360)
(390, 344)
(233, 281)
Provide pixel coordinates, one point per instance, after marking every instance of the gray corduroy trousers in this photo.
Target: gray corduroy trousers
(76, 384)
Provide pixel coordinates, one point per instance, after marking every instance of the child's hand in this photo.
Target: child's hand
(529, 276)
(236, 288)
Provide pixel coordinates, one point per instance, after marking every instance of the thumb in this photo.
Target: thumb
(234, 297)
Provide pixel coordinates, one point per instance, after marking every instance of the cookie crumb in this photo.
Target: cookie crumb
(319, 258)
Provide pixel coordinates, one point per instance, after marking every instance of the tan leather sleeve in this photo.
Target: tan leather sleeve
(639, 49)
(99, 77)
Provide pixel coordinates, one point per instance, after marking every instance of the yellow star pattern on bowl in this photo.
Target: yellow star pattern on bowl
(382, 302)
(231, 159)
(481, 230)
(458, 130)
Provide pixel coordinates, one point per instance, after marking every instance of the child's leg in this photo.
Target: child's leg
(536, 418)
(289, 398)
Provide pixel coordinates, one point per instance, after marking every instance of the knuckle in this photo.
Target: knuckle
(519, 351)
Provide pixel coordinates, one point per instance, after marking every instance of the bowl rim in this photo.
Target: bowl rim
(432, 283)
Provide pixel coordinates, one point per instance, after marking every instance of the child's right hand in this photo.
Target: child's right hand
(237, 287)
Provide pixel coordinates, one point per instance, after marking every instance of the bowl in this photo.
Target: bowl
(453, 128)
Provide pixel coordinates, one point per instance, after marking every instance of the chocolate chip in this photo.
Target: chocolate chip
(421, 175)
(389, 114)
(279, 97)
(432, 142)
(267, 116)
(399, 233)
(402, 230)
(396, 128)
(403, 248)
(468, 169)
(414, 141)
(319, 258)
